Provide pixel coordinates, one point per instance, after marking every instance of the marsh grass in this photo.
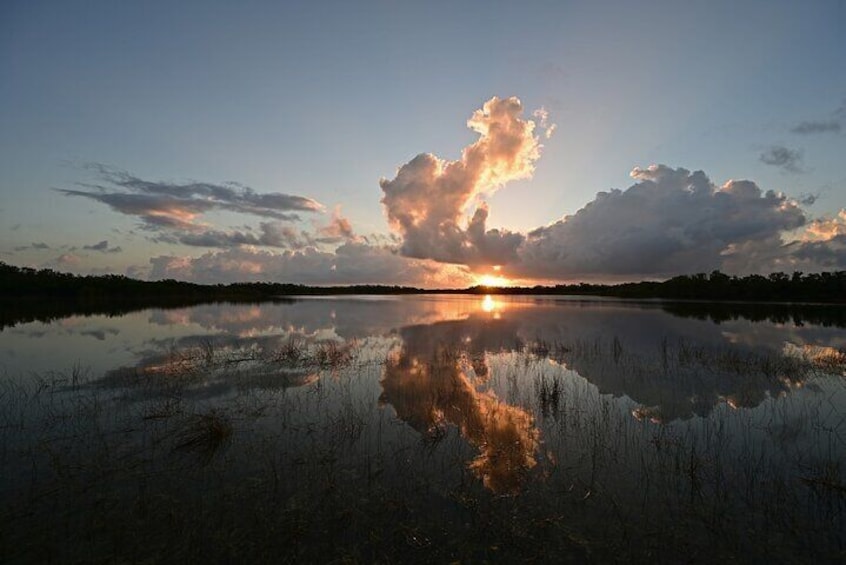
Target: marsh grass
(204, 435)
(143, 468)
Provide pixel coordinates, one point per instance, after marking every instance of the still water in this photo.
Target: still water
(427, 428)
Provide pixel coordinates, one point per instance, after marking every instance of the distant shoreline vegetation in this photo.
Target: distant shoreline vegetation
(24, 283)
(45, 295)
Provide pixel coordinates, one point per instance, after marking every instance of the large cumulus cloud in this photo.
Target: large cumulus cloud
(670, 221)
(427, 201)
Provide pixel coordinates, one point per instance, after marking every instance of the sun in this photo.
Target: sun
(492, 280)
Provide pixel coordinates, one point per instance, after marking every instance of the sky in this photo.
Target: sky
(436, 144)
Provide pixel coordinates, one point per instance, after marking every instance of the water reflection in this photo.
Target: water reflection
(363, 419)
(439, 372)
(672, 366)
(203, 366)
(431, 389)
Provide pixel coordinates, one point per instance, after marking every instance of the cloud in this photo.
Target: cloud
(171, 205)
(427, 200)
(173, 212)
(155, 211)
(808, 199)
(351, 263)
(103, 247)
(789, 160)
(820, 246)
(338, 229)
(824, 255)
(829, 125)
(65, 261)
(826, 126)
(271, 234)
(543, 117)
(670, 221)
(39, 246)
(138, 271)
(824, 229)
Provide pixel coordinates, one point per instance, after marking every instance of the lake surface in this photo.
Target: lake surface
(427, 428)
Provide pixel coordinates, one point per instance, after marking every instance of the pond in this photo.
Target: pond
(426, 428)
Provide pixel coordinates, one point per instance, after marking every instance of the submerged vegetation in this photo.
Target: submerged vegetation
(309, 450)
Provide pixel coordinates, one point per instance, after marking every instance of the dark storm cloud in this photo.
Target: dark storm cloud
(789, 160)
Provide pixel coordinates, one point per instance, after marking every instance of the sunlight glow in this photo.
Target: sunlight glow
(492, 280)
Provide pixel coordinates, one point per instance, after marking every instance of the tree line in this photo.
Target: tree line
(23, 283)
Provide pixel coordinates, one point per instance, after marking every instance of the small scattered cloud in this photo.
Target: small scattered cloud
(546, 126)
(100, 334)
(138, 271)
(41, 246)
(789, 160)
(825, 126)
(832, 124)
(552, 70)
(808, 199)
(103, 247)
(64, 261)
(339, 229)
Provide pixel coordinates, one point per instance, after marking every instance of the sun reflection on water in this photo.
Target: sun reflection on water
(492, 306)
